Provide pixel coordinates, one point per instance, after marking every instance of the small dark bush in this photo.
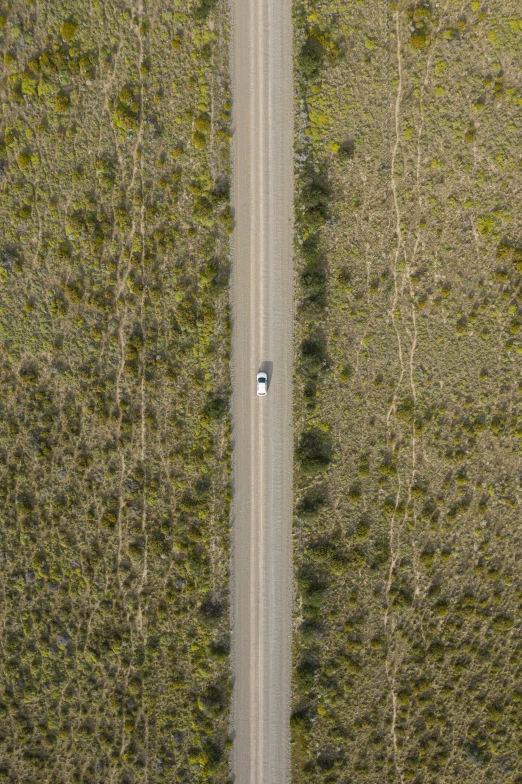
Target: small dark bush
(314, 450)
(214, 700)
(214, 751)
(314, 278)
(312, 503)
(313, 353)
(314, 275)
(203, 10)
(310, 250)
(314, 198)
(347, 148)
(221, 648)
(300, 718)
(311, 57)
(311, 582)
(211, 610)
(306, 668)
(216, 409)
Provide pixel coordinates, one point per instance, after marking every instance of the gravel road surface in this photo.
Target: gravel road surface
(262, 310)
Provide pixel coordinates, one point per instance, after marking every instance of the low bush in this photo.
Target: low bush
(314, 450)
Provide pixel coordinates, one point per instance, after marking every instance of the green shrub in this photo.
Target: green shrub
(313, 353)
(216, 408)
(314, 450)
(68, 30)
(314, 199)
(203, 9)
(61, 103)
(419, 39)
(311, 56)
(203, 211)
(312, 503)
(202, 124)
(199, 140)
(24, 160)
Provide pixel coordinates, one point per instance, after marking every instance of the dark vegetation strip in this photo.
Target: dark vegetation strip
(315, 51)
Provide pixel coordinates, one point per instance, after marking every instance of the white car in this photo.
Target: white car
(262, 384)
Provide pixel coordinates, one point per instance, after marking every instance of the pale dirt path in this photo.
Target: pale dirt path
(262, 309)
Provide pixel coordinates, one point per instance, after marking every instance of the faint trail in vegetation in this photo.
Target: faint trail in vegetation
(418, 241)
(398, 229)
(137, 170)
(130, 182)
(414, 396)
(393, 535)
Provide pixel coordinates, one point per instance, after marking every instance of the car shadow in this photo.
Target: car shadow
(268, 368)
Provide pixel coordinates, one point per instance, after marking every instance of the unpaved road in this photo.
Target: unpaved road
(262, 309)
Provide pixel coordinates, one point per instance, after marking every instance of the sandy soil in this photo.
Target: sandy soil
(262, 306)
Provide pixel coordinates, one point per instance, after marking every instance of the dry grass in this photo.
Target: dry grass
(114, 457)
(407, 648)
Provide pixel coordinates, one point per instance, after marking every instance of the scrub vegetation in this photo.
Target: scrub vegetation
(114, 432)
(407, 646)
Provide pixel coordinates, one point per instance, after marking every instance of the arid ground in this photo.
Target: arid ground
(407, 648)
(114, 386)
